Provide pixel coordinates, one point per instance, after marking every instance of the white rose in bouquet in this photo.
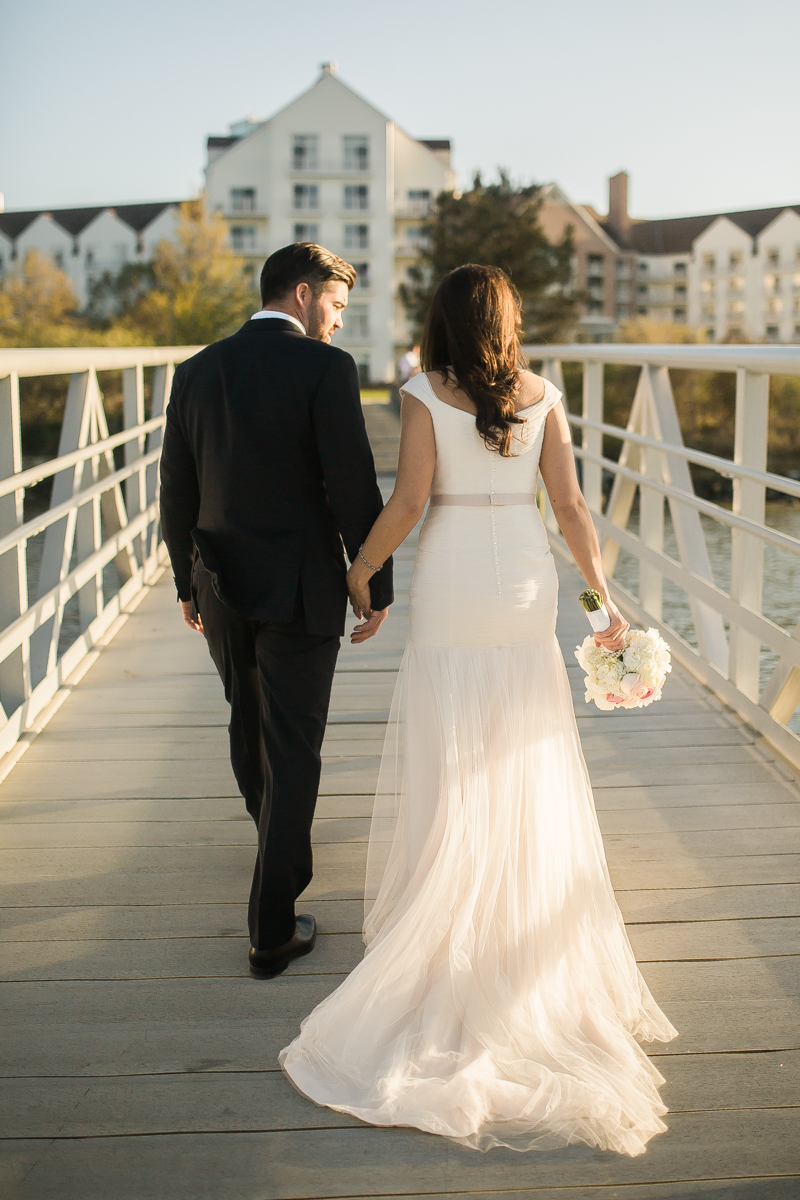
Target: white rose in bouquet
(630, 678)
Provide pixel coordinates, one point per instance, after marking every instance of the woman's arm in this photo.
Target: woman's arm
(411, 490)
(557, 466)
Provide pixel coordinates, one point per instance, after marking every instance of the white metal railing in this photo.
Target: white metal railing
(730, 627)
(99, 515)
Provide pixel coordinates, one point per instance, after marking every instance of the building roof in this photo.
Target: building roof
(221, 143)
(435, 143)
(675, 235)
(75, 220)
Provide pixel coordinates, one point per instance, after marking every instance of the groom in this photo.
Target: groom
(266, 471)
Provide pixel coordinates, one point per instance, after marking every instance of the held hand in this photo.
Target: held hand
(613, 638)
(186, 612)
(370, 627)
(358, 590)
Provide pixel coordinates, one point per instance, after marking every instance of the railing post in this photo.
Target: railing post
(747, 553)
(592, 440)
(15, 670)
(162, 384)
(552, 370)
(133, 415)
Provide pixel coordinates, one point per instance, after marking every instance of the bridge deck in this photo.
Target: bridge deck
(139, 1057)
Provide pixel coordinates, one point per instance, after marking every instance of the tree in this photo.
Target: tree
(496, 225)
(38, 306)
(199, 288)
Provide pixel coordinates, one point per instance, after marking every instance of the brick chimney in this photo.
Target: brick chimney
(618, 217)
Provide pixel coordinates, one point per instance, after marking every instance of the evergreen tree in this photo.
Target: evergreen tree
(496, 225)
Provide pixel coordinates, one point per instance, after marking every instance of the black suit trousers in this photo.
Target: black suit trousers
(277, 679)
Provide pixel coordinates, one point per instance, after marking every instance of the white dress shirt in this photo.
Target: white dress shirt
(281, 316)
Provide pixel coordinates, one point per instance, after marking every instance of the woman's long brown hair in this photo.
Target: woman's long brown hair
(471, 332)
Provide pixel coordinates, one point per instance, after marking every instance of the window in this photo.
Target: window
(419, 201)
(679, 316)
(709, 262)
(772, 333)
(306, 233)
(594, 264)
(356, 152)
(643, 268)
(243, 199)
(774, 306)
(734, 260)
(594, 306)
(356, 321)
(304, 152)
(90, 257)
(772, 283)
(707, 285)
(623, 268)
(356, 195)
(797, 333)
(642, 312)
(680, 291)
(709, 312)
(680, 269)
(736, 283)
(774, 257)
(736, 308)
(417, 237)
(710, 335)
(58, 259)
(243, 237)
(356, 237)
(623, 291)
(797, 304)
(305, 195)
(642, 289)
(362, 274)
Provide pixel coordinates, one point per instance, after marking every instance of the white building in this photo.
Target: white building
(86, 242)
(726, 274)
(331, 168)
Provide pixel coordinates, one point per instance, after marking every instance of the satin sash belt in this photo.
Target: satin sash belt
(483, 499)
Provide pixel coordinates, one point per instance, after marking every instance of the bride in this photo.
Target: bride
(498, 1002)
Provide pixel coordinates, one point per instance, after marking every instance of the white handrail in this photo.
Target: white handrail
(766, 360)
(66, 361)
(730, 627)
(44, 470)
(98, 543)
(723, 466)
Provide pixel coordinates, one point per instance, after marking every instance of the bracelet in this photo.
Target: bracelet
(368, 564)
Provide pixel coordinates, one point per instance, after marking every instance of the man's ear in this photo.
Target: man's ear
(301, 293)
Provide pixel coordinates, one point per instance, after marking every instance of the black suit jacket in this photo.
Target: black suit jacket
(266, 469)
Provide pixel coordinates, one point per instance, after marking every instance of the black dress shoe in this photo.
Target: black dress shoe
(266, 964)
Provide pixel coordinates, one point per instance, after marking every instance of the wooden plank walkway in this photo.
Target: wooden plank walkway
(139, 1057)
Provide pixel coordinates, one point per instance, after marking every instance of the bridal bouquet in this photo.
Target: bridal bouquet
(629, 678)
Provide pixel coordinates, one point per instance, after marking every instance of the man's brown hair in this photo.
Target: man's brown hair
(303, 262)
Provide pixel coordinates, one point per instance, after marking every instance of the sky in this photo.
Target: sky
(698, 100)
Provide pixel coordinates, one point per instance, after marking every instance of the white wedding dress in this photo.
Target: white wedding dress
(498, 1002)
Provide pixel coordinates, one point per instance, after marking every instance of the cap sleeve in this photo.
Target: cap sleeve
(419, 387)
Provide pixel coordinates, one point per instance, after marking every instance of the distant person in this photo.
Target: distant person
(266, 470)
(408, 365)
(499, 1002)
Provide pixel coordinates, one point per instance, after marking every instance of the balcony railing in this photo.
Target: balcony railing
(70, 573)
(723, 628)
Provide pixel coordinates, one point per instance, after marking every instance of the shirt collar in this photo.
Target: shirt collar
(281, 316)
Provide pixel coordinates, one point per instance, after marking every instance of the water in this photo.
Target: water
(781, 595)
